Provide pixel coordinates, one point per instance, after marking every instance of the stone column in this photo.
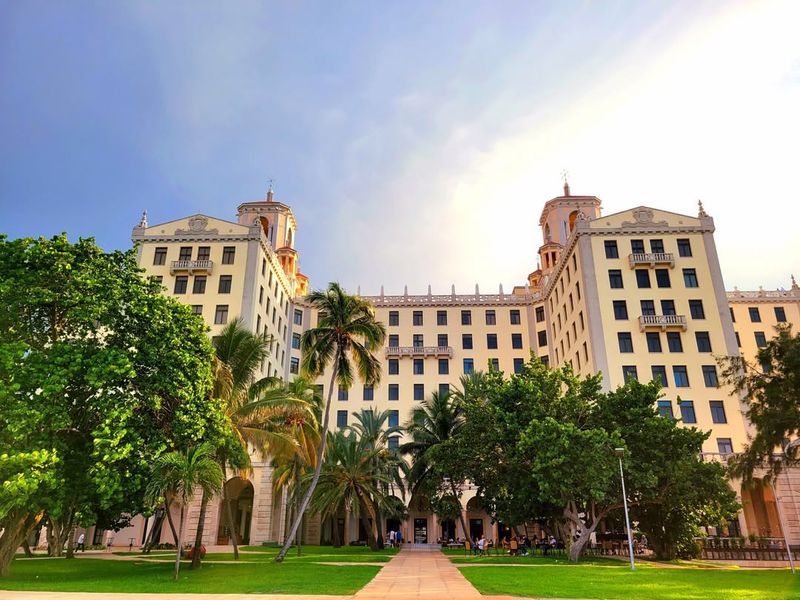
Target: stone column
(261, 523)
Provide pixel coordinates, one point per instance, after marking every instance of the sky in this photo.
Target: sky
(416, 142)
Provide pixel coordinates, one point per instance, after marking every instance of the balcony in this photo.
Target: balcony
(418, 351)
(191, 266)
(651, 259)
(662, 322)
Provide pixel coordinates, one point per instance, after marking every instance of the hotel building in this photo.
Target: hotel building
(638, 293)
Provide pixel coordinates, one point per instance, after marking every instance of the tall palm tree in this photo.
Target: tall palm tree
(433, 422)
(257, 407)
(349, 481)
(346, 336)
(177, 474)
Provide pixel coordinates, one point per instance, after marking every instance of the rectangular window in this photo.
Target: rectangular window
(629, 372)
(466, 341)
(703, 341)
(674, 342)
(761, 339)
(516, 341)
(680, 375)
(444, 389)
(667, 307)
(494, 364)
(343, 395)
(157, 278)
(519, 364)
(394, 418)
(491, 341)
(539, 314)
(417, 340)
(625, 341)
(660, 374)
(369, 393)
(441, 317)
(225, 284)
(160, 256)
(755, 315)
(780, 314)
(648, 307)
(642, 278)
(690, 278)
(684, 247)
(204, 253)
(181, 282)
(394, 318)
(419, 366)
(199, 284)
(725, 446)
(515, 317)
(394, 341)
(261, 294)
(466, 317)
(228, 255)
(637, 246)
(542, 338)
(696, 309)
(710, 376)
(197, 309)
(717, 411)
(341, 418)
(442, 340)
(393, 443)
(296, 341)
(185, 253)
(657, 246)
(733, 316)
(294, 365)
(615, 278)
(687, 411)
(444, 366)
(738, 341)
(611, 249)
(298, 317)
(662, 278)
(394, 366)
(653, 341)
(469, 366)
(416, 317)
(665, 409)
(490, 318)
(263, 266)
(221, 314)
(419, 391)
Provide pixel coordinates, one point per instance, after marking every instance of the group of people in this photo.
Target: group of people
(516, 545)
(395, 538)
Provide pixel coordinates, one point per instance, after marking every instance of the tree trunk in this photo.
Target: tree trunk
(198, 538)
(577, 547)
(337, 542)
(229, 516)
(317, 468)
(167, 504)
(26, 547)
(346, 540)
(460, 512)
(14, 528)
(372, 530)
(158, 523)
(295, 495)
(71, 543)
(180, 540)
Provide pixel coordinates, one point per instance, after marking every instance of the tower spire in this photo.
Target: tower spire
(270, 193)
(564, 175)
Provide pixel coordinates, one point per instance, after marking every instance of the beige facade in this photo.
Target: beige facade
(636, 293)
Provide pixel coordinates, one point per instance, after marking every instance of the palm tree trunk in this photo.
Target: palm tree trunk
(295, 495)
(167, 504)
(229, 515)
(198, 538)
(317, 469)
(337, 542)
(346, 540)
(158, 522)
(180, 540)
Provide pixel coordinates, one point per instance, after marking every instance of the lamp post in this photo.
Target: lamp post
(619, 453)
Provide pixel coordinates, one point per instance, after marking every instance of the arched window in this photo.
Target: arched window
(289, 238)
(547, 236)
(573, 216)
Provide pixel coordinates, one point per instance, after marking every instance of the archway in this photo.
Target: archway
(573, 216)
(760, 511)
(240, 497)
(476, 519)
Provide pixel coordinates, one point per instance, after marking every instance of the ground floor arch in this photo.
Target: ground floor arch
(239, 509)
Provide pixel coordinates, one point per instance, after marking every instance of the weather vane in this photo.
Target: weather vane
(564, 175)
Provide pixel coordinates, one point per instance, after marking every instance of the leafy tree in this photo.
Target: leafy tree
(177, 474)
(772, 390)
(100, 373)
(436, 420)
(345, 338)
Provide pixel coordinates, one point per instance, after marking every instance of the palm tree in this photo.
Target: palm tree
(349, 481)
(346, 335)
(257, 408)
(177, 474)
(433, 422)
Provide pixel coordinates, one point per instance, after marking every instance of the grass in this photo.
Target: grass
(294, 576)
(266, 554)
(617, 581)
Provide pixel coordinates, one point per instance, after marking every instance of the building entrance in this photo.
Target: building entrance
(475, 528)
(420, 531)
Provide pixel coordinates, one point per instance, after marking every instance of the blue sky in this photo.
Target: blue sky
(415, 141)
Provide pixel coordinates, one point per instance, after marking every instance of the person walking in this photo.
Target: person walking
(482, 545)
(399, 537)
(81, 543)
(392, 538)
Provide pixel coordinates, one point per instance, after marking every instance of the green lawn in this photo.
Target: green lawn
(610, 581)
(142, 576)
(309, 554)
